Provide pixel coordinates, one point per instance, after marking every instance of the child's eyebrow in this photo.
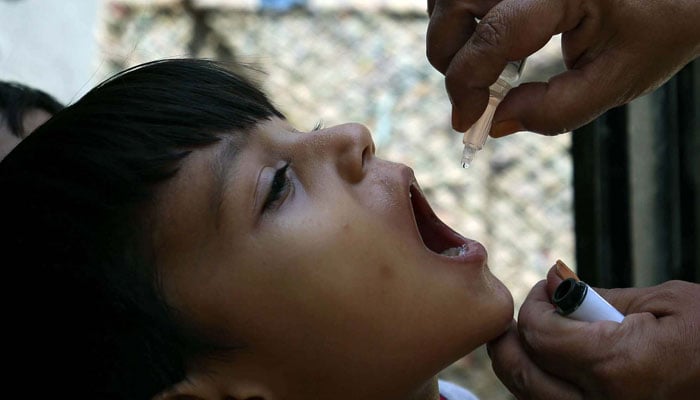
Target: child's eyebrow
(221, 169)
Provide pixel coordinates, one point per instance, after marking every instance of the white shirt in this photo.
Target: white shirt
(450, 391)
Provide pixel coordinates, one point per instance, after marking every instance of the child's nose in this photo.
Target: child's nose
(352, 147)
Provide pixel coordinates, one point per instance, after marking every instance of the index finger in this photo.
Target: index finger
(538, 320)
(511, 30)
(561, 346)
(451, 23)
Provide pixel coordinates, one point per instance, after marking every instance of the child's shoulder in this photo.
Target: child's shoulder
(450, 391)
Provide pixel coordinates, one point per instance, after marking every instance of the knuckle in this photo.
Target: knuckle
(672, 285)
(681, 286)
(667, 295)
(533, 341)
(491, 30)
(531, 338)
(520, 380)
(527, 317)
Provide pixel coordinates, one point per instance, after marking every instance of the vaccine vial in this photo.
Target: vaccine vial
(475, 137)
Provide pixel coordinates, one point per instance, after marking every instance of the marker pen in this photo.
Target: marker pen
(575, 299)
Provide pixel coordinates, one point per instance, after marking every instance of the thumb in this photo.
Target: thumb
(668, 298)
(553, 280)
(568, 101)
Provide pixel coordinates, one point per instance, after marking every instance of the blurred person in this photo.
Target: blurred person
(173, 236)
(614, 52)
(22, 110)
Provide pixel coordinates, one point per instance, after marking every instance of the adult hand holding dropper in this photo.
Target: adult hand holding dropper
(614, 51)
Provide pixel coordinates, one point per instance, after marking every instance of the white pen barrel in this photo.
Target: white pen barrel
(575, 299)
(595, 308)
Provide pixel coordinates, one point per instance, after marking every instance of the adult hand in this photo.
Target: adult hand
(614, 51)
(653, 354)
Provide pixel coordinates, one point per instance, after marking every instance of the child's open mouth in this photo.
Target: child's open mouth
(436, 235)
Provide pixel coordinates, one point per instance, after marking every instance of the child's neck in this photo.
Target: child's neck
(429, 391)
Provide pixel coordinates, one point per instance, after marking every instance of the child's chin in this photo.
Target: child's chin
(502, 312)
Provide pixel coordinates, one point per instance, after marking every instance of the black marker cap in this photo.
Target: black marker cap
(569, 295)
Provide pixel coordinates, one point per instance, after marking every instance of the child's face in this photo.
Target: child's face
(327, 278)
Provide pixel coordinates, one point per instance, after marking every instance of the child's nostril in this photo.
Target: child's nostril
(366, 154)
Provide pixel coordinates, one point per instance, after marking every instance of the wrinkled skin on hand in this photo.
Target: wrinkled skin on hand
(614, 51)
(653, 354)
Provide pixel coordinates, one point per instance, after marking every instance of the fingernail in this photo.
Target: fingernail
(564, 271)
(504, 128)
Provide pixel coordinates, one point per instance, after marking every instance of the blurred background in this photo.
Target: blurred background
(337, 61)
(333, 61)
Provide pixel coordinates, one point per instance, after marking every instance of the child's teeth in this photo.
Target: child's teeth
(452, 251)
(455, 251)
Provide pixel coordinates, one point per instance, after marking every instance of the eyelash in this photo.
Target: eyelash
(280, 184)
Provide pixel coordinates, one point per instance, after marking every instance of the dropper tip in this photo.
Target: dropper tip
(468, 156)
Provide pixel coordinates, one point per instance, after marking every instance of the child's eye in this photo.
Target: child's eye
(278, 188)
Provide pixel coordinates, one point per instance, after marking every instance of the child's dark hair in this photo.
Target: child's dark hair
(85, 314)
(16, 99)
